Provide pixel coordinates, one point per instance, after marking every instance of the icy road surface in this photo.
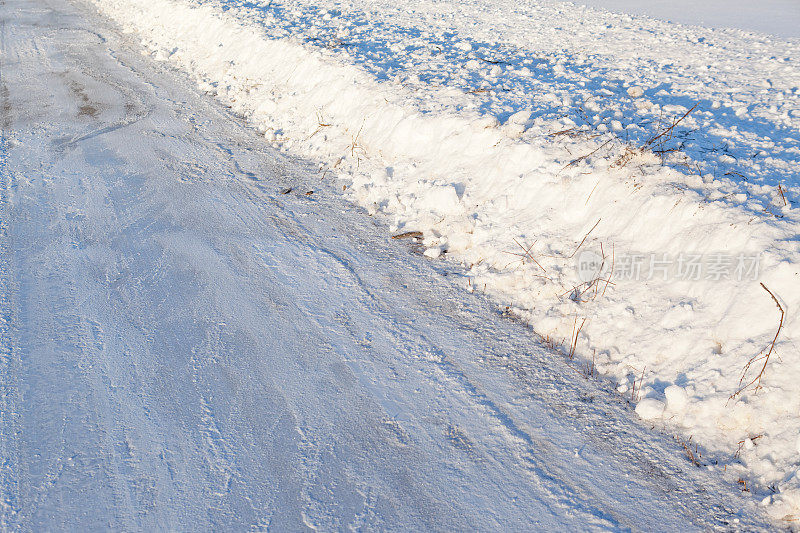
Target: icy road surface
(184, 346)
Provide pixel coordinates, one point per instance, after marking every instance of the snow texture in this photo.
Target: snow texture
(198, 334)
(513, 136)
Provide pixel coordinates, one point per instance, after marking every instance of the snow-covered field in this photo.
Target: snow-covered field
(774, 17)
(626, 186)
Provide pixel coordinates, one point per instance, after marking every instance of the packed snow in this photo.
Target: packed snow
(626, 186)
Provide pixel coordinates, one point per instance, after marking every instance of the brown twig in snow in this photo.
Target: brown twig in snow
(668, 131)
(691, 455)
(743, 441)
(757, 380)
(584, 238)
(568, 131)
(581, 158)
(610, 274)
(634, 395)
(780, 190)
(408, 235)
(575, 337)
(526, 252)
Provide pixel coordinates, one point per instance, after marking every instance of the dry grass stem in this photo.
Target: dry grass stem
(761, 356)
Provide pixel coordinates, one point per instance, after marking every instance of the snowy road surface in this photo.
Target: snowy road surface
(186, 347)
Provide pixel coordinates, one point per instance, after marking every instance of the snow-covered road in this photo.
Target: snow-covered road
(187, 344)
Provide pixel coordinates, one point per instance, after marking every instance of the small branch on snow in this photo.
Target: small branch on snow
(757, 380)
(669, 130)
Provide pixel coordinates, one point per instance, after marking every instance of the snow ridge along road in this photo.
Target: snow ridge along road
(513, 136)
(184, 346)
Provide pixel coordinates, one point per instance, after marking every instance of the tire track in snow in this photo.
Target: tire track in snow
(528, 452)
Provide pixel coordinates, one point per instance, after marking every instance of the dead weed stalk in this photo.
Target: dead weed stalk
(763, 355)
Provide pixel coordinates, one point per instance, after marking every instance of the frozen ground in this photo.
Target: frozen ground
(193, 340)
(625, 185)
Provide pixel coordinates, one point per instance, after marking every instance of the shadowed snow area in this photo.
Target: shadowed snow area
(198, 334)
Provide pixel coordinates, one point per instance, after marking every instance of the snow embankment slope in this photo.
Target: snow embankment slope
(628, 187)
